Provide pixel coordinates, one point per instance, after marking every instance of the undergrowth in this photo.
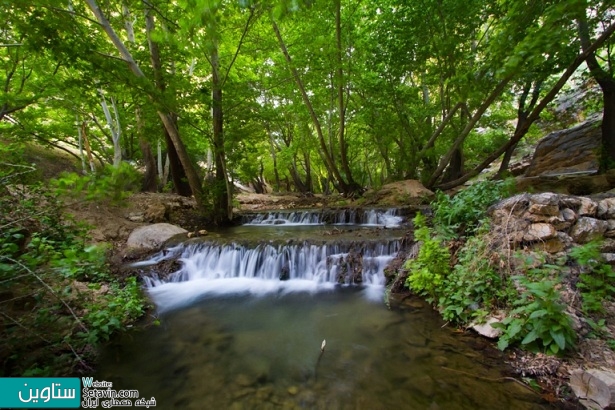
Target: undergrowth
(474, 281)
(58, 301)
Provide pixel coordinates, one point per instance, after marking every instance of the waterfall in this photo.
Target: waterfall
(388, 218)
(218, 269)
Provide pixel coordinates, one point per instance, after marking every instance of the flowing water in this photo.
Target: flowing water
(243, 325)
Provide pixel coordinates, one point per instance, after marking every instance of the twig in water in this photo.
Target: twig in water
(322, 350)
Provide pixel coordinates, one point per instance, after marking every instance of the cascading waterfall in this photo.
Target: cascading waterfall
(216, 269)
(211, 268)
(388, 218)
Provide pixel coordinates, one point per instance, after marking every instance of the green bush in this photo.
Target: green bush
(110, 183)
(474, 287)
(597, 280)
(432, 264)
(462, 214)
(539, 322)
(42, 254)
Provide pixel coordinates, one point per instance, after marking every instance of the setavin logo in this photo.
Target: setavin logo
(40, 392)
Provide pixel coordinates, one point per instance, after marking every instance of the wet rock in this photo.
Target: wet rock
(587, 229)
(152, 236)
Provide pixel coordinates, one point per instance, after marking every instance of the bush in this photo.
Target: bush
(42, 254)
(462, 214)
(539, 321)
(432, 264)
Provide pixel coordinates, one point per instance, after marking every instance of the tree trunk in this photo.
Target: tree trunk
(607, 85)
(223, 210)
(150, 182)
(186, 163)
(325, 152)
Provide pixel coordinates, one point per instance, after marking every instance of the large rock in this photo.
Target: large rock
(153, 236)
(595, 388)
(568, 151)
(539, 232)
(587, 229)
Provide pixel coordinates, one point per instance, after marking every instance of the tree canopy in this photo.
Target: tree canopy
(311, 96)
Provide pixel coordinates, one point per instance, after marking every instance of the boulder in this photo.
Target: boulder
(153, 236)
(156, 212)
(570, 151)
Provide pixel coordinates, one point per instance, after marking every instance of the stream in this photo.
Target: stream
(244, 319)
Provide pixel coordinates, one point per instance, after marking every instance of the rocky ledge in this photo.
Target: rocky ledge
(528, 225)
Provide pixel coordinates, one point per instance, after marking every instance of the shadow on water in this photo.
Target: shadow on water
(251, 352)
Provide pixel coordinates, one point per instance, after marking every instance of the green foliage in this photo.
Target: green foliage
(111, 183)
(431, 266)
(474, 287)
(113, 312)
(66, 294)
(539, 321)
(597, 280)
(464, 212)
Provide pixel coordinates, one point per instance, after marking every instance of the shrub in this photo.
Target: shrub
(432, 264)
(597, 280)
(464, 212)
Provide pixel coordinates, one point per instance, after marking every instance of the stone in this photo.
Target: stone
(553, 245)
(136, 217)
(545, 198)
(595, 388)
(569, 151)
(485, 329)
(588, 207)
(155, 213)
(514, 205)
(293, 390)
(587, 229)
(606, 208)
(153, 236)
(568, 215)
(609, 258)
(539, 232)
(542, 209)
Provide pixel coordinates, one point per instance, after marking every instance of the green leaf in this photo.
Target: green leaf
(530, 337)
(559, 339)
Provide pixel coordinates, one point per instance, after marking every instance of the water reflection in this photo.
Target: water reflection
(244, 352)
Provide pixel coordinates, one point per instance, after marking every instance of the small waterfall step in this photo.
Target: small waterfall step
(389, 218)
(211, 268)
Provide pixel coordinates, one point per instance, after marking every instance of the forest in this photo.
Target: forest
(305, 96)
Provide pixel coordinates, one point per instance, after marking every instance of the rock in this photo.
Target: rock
(485, 329)
(136, 217)
(155, 213)
(539, 232)
(595, 388)
(545, 198)
(587, 229)
(588, 207)
(153, 236)
(568, 215)
(546, 210)
(606, 208)
(610, 229)
(569, 151)
(293, 390)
